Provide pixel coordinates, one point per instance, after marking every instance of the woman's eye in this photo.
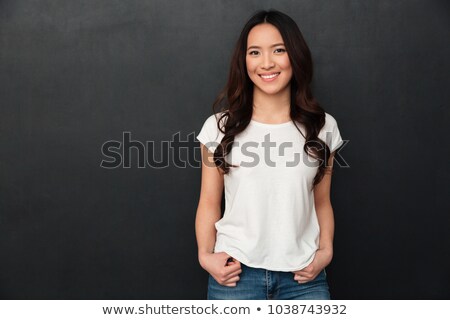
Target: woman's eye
(251, 52)
(281, 50)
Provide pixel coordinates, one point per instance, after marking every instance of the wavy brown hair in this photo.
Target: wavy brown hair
(235, 101)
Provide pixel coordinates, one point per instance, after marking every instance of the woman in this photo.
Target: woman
(271, 146)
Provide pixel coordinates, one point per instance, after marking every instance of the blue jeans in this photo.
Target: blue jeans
(262, 284)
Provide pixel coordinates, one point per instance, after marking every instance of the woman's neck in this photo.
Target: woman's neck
(271, 108)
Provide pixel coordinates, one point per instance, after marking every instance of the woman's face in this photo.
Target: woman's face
(268, 64)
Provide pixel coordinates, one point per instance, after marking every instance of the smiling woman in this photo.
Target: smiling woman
(276, 235)
(268, 62)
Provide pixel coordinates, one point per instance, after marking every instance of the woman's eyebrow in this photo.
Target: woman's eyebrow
(274, 45)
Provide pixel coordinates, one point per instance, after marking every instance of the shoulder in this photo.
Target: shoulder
(210, 135)
(330, 124)
(330, 133)
(212, 120)
(330, 121)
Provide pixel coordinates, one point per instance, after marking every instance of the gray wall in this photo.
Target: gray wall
(76, 74)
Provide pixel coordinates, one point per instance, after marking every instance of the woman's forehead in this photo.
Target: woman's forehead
(264, 35)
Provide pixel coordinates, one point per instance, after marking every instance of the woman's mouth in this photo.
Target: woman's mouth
(267, 77)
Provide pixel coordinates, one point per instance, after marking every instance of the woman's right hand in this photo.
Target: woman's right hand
(225, 272)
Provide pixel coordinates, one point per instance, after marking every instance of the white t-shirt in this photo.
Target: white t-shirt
(270, 220)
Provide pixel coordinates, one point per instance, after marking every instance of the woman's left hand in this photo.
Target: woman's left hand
(321, 260)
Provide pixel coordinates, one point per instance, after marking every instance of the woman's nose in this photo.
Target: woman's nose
(267, 62)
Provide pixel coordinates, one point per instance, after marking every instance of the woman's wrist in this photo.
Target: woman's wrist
(327, 254)
(202, 255)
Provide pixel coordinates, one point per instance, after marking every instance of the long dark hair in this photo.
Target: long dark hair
(235, 101)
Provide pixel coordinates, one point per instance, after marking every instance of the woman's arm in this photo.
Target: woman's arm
(324, 210)
(208, 213)
(325, 216)
(209, 206)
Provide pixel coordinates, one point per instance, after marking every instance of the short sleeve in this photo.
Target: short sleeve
(330, 133)
(209, 134)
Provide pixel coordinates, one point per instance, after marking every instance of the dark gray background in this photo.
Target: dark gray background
(75, 74)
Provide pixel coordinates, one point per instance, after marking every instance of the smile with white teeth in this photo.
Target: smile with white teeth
(271, 76)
